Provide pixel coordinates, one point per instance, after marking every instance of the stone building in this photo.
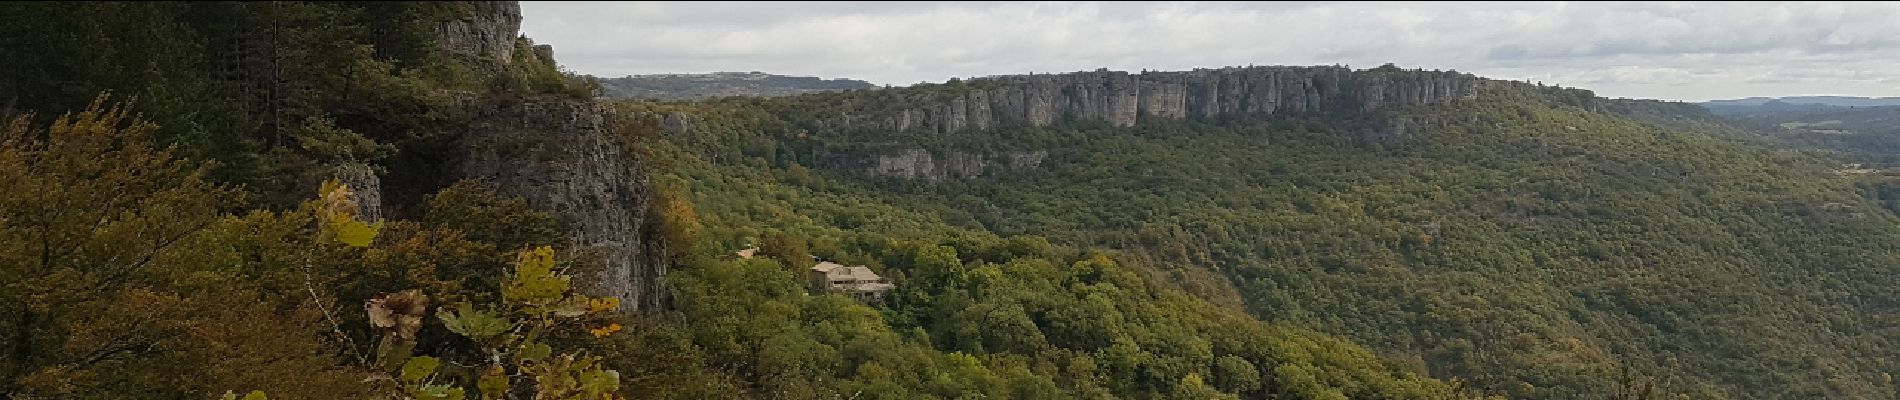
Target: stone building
(859, 282)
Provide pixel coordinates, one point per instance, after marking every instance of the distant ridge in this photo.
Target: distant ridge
(1836, 101)
(721, 84)
(1755, 106)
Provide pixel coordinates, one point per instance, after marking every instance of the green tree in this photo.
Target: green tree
(788, 249)
(1236, 374)
(1192, 387)
(93, 226)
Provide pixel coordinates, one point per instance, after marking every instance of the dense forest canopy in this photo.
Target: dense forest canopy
(1539, 245)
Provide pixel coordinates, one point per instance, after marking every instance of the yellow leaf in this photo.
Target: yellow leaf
(539, 260)
(534, 281)
(603, 304)
(494, 383)
(337, 203)
(353, 233)
(605, 330)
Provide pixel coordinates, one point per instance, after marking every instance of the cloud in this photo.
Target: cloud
(1684, 51)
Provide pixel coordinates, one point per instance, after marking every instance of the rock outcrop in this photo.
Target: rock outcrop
(481, 29)
(365, 187)
(948, 165)
(1122, 99)
(557, 154)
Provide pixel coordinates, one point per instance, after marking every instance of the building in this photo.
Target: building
(859, 282)
(747, 253)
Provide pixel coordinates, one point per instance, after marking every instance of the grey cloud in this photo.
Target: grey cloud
(1660, 50)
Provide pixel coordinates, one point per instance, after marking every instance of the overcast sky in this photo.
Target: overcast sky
(1677, 51)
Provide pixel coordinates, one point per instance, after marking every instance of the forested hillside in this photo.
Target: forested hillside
(336, 200)
(1763, 106)
(1536, 242)
(1865, 135)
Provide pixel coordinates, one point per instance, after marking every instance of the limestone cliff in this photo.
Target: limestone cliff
(948, 165)
(1122, 99)
(558, 155)
(366, 188)
(1118, 99)
(481, 29)
(555, 151)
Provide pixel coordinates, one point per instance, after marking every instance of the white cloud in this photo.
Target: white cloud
(1686, 51)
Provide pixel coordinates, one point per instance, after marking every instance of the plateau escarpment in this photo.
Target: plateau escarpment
(1122, 99)
(1112, 98)
(907, 132)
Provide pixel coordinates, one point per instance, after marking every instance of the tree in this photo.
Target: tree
(476, 210)
(93, 224)
(1192, 387)
(791, 250)
(679, 221)
(88, 206)
(1236, 374)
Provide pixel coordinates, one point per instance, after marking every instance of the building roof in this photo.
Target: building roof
(856, 273)
(855, 279)
(873, 287)
(747, 253)
(861, 273)
(837, 271)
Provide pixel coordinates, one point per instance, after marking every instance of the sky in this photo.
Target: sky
(1660, 50)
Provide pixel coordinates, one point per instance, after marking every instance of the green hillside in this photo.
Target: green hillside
(1540, 244)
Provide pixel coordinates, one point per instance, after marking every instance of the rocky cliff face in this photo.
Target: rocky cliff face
(481, 29)
(947, 165)
(1122, 99)
(365, 186)
(558, 156)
